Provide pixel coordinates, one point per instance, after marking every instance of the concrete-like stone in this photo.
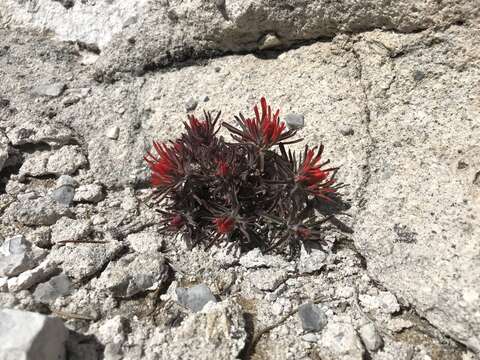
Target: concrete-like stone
(66, 160)
(30, 278)
(134, 274)
(91, 193)
(31, 336)
(40, 211)
(195, 298)
(217, 332)
(370, 337)
(66, 229)
(40, 132)
(146, 242)
(340, 341)
(49, 90)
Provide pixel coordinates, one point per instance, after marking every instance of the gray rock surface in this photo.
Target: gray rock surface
(89, 193)
(217, 332)
(57, 286)
(294, 121)
(66, 229)
(64, 161)
(340, 341)
(312, 317)
(370, 337)
(195, 298)
(30, 336)
(39, 131)
(50, 90)
(26, 280)
(40, 211)
(134, 274)
(16, 256)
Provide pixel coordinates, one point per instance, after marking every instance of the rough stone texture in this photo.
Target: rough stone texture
(426, 248)
(370, 337)
(66, 160)
(340, 341)
(134, 274)
(397, 110)
(40, 211)
(30, 278)
(50, 90)
(217, 332)
(67, 229)
(30, 336)
(195, 298)
(89, 193)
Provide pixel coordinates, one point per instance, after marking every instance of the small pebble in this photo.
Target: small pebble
(294, 121)
(49, 90)
(346, 130)
(191, 104)
(312, 317)
(269, 41)
(113, 133)
(196, 297)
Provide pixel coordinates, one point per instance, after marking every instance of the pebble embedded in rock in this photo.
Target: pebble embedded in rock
(91, 193)
(312, 317)
(269, 41)
(418, 75)
(113, 133)
(31, 336)
(312, 257)
(384, 302)
(191, 104)
(370, 337)
(57, 286)
(16, 256)
(196, 297)
(294, 121)
(50, 90)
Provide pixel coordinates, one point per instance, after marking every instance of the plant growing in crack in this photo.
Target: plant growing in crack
(250, 192)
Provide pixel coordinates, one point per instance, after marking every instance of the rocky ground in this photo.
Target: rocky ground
(391, 89)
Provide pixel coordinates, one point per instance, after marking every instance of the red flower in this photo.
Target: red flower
(311, 174)
(224, 224)
(223, 169)
(303, 232)
(176, 222)
(166, 168)
(264, 130)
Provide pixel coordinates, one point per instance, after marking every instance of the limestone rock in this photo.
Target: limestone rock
(133, 274)
(31, 336)
(57, 286)
(195, 298)
(40, 211)
(66, 229)
(66, 160)
(92, 193)
(340, 341)
(16, 256)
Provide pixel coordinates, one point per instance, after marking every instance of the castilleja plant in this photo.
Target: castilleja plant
(251, 192)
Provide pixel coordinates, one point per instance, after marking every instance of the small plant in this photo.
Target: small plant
(251, 192)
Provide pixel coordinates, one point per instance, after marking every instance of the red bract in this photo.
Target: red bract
(222, 168)
(311, 174)
(176, 222)
(264, 130)
(166, 167)
(200, 132)
(224, 224)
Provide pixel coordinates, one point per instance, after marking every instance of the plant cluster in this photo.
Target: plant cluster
(250, 192)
